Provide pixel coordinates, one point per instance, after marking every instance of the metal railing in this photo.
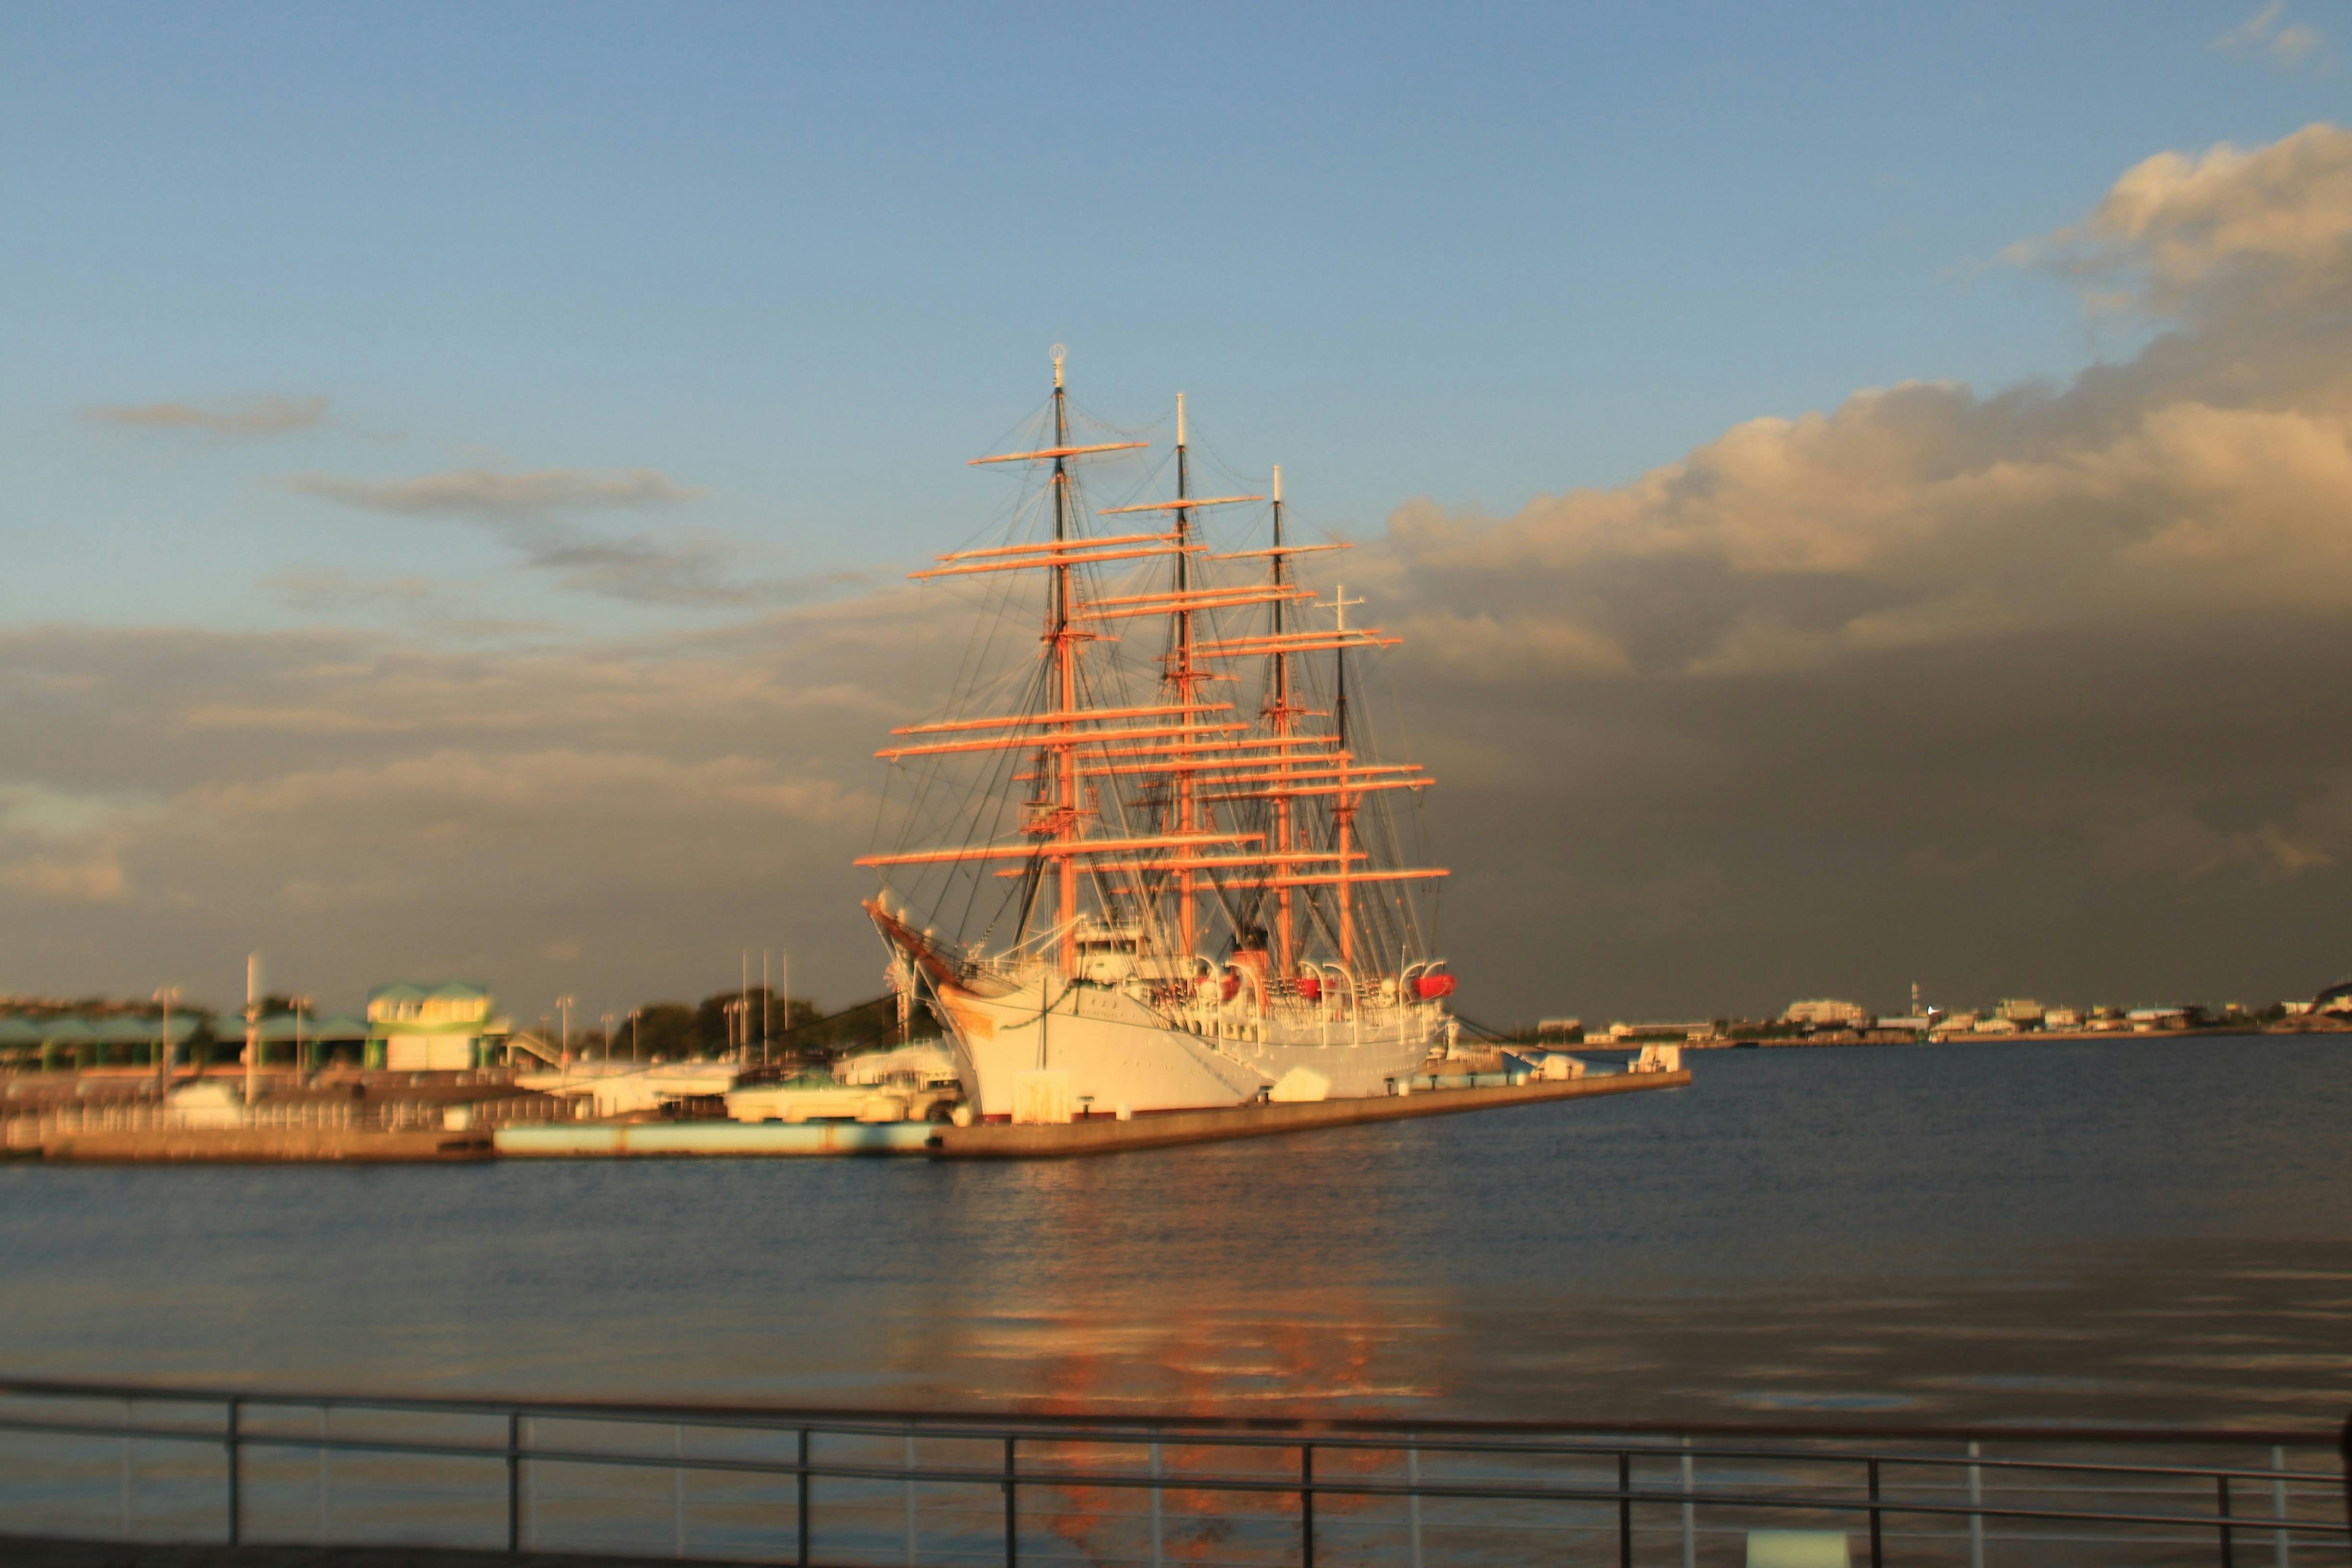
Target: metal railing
(830, 1486)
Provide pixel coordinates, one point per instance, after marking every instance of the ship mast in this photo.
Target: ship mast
(1064, 822)
(1186, 683)
(1279, 713)
(1343, 803)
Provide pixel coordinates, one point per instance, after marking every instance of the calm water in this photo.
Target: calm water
(2139, 1231)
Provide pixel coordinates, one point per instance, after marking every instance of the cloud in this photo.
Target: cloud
(526, 512)
(493, 493)
(254, 416)
(2268, 34)
(95, 878)
(2193, 230)
(2072, 647)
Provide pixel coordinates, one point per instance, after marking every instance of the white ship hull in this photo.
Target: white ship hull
(1118, 1053)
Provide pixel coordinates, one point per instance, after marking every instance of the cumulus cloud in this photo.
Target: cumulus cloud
(2054, 648)
(254, 417)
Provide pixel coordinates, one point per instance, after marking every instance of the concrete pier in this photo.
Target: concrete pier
(1108, 1135)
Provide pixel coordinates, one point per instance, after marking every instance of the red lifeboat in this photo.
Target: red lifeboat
(1432, 986)
(1310, 987)
(1232, 987)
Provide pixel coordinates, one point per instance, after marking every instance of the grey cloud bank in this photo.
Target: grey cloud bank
(2030, 691)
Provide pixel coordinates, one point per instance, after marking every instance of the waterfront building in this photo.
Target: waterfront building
(448, 1029)
(1826, 1012)
(2022, 1011)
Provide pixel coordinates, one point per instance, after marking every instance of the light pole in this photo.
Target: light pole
(610, 1020)
(252, 1025)
(166, 995)
(636, 1032)
(564, 1004)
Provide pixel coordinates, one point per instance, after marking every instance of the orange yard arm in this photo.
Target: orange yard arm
(1186, 505)
(1329, 879)
(1071, 558)
(1048, 850)
(1019, 743)
(1277, 550)
(1083, 715)
(1284, 742)
(1193, 863)
(1324, 789)
(1058, 452)
(1306, 642)
(1053, 544)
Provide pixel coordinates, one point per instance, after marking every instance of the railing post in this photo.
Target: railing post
(1690, 1510)
(1624, 1509)
(1158, 1532)
(801, 1511)
(1877, 1546)
(326, 1481)
(125, 1520)
(514, 1481)
(2221, 1500)
(1306, 1504)
(235, 1477)
(1012, 1509)
(2278, 1508)
(1412, 1500)
(911, 1466)
(1976, 1500)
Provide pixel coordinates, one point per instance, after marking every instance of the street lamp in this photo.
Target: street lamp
(637, 1032)
(564, 1004)
(610, 1018)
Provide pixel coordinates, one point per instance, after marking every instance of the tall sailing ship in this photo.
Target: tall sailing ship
(1150, 860)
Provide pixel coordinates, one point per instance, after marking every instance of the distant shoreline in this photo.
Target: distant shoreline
(2022, 1036)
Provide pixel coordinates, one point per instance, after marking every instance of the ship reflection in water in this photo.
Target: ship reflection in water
(2151, 1232)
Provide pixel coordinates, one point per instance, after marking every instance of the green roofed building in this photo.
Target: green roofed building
(448, 1029)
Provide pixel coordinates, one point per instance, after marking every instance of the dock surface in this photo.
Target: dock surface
(1107, 1135)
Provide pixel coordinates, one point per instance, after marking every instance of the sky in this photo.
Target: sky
(1863, 487)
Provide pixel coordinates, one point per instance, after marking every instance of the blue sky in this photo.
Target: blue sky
(804, 261)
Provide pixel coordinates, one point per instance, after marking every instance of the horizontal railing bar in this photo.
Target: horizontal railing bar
(998, 1422)
(1217, 1439)
(1289, 1487)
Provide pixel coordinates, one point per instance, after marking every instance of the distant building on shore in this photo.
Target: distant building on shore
(1824, 1012)
(446, 1029)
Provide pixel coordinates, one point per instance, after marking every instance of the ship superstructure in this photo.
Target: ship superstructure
(1149, 861)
